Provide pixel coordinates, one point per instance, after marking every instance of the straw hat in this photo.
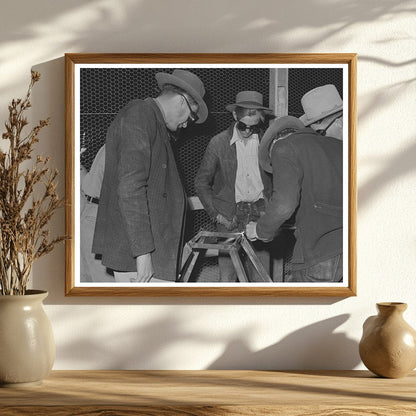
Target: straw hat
(280, 124)
(319, 103)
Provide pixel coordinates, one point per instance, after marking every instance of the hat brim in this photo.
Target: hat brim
(308, 121)
(328, 120)
(163, 78)
(276, 127)
(251, 106)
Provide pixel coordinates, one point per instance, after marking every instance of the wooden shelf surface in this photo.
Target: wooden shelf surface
(212, 392)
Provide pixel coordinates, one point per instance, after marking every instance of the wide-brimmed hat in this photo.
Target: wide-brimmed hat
(319, 103)
(278, 125)
(248, 99)
(188, 82)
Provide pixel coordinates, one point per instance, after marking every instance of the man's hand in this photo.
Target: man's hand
(251, 231)
(229, 225)
(144, 267)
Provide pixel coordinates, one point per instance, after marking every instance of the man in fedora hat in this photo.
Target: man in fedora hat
(323, 111)
(229, 182)
(307, 182)
(142, 202)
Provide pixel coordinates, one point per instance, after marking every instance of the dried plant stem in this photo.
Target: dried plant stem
(23, 217)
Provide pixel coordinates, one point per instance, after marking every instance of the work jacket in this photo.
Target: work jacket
(307, 181)
(142, 202)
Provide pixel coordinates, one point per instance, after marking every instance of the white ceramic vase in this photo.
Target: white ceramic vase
(27, 346)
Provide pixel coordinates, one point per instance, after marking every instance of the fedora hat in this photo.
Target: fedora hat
(280, 124)
(188, 82)
(319, 103)
(248, 99)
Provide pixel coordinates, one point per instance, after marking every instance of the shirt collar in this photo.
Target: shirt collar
(236, 137)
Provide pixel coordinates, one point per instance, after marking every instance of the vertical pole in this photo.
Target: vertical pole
(278, 91)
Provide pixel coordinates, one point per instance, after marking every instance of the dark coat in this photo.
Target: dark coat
(307, 179)
(142, 201)
(215, 180)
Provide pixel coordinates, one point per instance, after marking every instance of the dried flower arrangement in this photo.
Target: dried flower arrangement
(28, 199)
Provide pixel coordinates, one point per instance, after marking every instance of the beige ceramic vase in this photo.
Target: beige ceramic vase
(388, 345)
(27, 347)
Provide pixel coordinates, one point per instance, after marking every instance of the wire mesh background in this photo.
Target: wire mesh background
(104, 91)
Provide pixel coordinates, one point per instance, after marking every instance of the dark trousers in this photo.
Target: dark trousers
(327, 271)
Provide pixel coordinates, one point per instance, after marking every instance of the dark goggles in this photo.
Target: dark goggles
(256, 128)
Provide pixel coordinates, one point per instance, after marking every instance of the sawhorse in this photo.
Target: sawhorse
(226, 242)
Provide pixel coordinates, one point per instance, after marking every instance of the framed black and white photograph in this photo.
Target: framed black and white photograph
(211, 174)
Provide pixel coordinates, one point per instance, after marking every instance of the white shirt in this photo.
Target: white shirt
(91, 184)
(248, 183)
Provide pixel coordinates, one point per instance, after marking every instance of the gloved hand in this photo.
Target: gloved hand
(229, 225)
(251, 233)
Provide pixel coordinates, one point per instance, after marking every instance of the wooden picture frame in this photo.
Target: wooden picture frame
(278, 66)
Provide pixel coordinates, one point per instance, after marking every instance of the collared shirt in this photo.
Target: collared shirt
(248, 183)
(91, 183)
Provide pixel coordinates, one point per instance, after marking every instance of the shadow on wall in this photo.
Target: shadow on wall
(403, 162)
(48, 100)
(105, 26)
(314, 347)
(98, 20)
(396, 167)
(141, 347)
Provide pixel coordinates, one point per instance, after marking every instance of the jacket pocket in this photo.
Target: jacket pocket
(327, 209)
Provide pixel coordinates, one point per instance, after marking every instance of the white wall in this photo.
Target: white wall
(200, 333)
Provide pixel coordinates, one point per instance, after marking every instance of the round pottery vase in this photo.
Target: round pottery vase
(27, 346)
(388, 345)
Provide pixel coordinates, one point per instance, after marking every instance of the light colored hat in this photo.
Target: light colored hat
(188, 82)
(319, 103)
(248, 99)
(278, 125)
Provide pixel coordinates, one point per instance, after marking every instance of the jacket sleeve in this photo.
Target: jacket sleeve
(204, 179)
(133, 174)
(287, 181)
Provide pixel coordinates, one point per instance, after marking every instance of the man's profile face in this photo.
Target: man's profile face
(181, 115)
(335, 129)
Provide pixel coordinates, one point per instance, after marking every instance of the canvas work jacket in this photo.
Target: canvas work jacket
(307, 181)
(142, 202)
(215, 180)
